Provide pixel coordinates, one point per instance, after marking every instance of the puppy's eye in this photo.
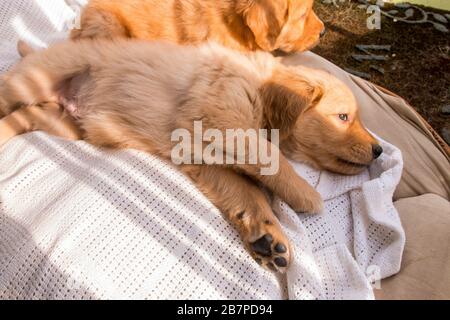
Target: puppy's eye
(343, 117)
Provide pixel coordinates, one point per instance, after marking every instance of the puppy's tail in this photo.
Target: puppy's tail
(24, 48)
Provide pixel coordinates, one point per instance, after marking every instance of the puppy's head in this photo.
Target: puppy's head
(286, 25)
(318, 120)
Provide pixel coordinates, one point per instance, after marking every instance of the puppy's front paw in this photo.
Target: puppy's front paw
(308, 201)
(265, 240)
(272, 252)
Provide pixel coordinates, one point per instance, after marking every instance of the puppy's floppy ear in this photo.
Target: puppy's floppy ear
(260, 17)
(284, 102)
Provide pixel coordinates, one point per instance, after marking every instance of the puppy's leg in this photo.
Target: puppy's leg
(38, 77)
(25, 87)
(288, 185)
(284, 182)
(248, 209)
(242, 114)
(49, 117)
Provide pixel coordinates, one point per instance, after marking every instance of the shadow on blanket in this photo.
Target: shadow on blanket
(36, 22)
(115, 196)
(18, 20)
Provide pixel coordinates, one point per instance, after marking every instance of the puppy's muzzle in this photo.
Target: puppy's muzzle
(377, 150)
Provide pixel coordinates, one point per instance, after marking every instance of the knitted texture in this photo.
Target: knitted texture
(78, 222)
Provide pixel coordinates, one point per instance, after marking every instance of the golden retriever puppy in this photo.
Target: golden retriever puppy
(269, 25)
(246, 25)
(135, 94)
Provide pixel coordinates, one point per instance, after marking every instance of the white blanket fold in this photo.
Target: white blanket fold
(359, 240)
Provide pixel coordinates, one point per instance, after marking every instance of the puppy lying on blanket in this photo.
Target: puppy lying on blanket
(246, 25)
(133, 94)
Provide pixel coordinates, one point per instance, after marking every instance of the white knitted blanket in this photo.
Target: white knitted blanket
(80, 222)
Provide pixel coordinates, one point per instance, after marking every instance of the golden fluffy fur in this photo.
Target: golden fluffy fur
(133, 94)
(286, 25)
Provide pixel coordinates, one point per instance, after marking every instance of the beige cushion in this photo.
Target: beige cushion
(425, 271)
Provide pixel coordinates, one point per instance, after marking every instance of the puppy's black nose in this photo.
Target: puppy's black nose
(377, 150)
(322, 33)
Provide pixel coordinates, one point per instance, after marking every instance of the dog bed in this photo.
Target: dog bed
(79, 222)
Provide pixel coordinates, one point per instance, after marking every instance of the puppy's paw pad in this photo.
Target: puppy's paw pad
(280, 248)
(280, 261)
(271, 254)
(263, 245)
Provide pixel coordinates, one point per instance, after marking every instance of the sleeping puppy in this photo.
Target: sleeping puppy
(246, 25)
(134, 94)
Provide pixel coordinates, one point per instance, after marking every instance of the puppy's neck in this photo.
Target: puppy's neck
(237, 28)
